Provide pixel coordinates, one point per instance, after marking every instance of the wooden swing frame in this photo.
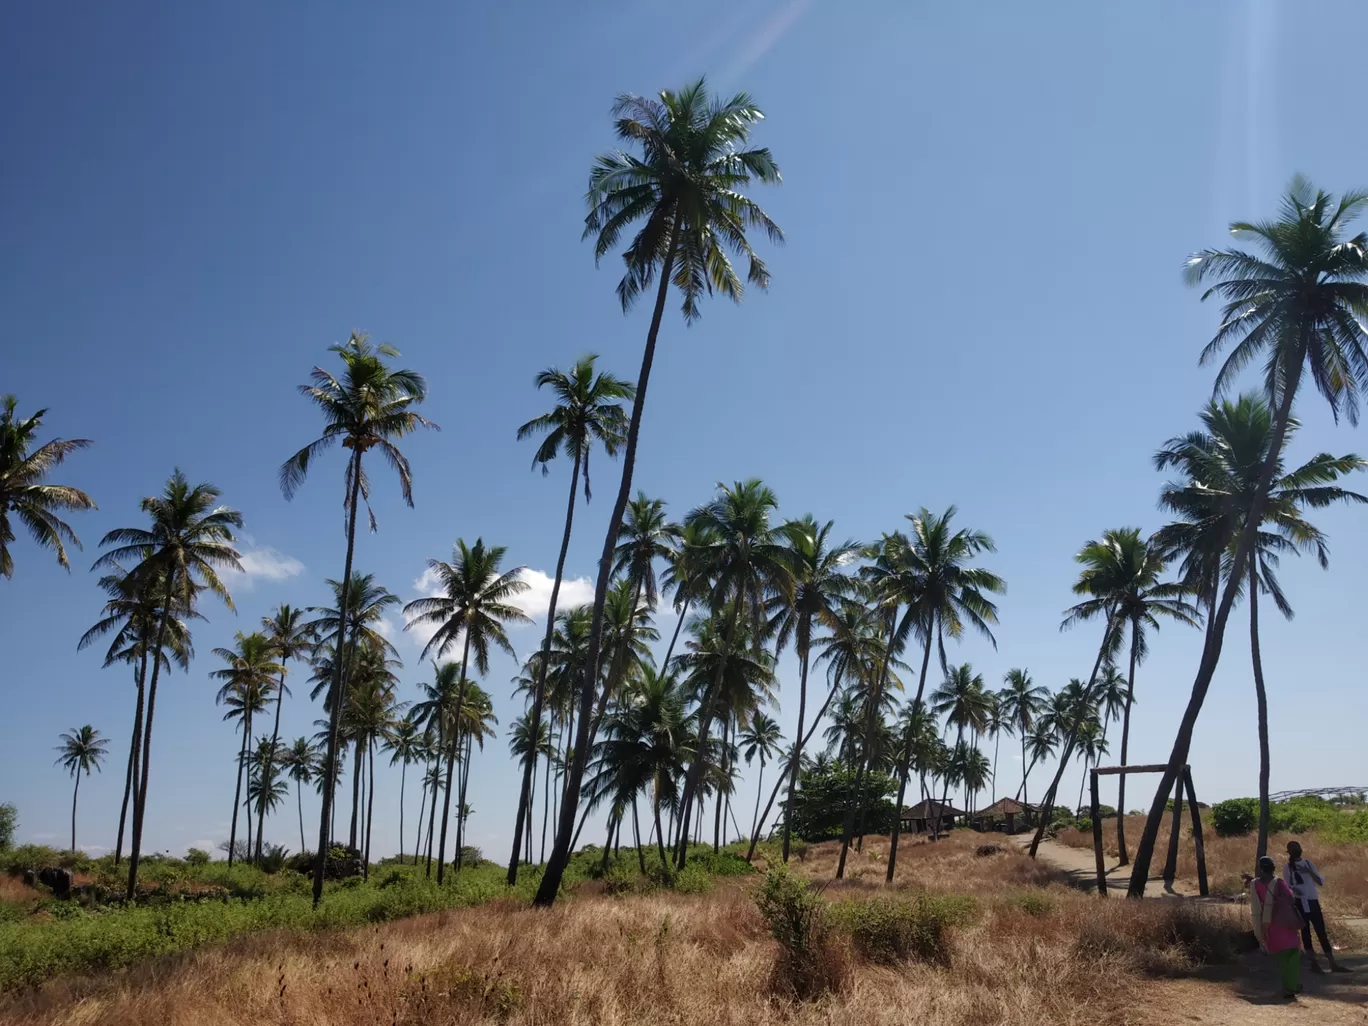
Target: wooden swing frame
(1184, 782)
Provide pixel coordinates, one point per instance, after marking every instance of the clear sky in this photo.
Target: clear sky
(980, 303)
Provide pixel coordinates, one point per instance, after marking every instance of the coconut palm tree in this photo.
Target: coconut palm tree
(249, 678)
(404, 742)
(291, 638)
(1041, 744)
(917, 749)
(529, 740)
(821, 582)
(22, 491)
(82, 750)
(999, 723)
(475, 603)
(1300, 303)
(1220, 467)
(301, 761)
(1022, 701)
(370, 712)
(1091, 745)
(965, 705)
(761, 739)
(188, 542)
(1120, 576)
(687, 188)
(370, 406)
(477, 723)
(437, 712)
(588, 410)
(686, 576)
(973, 772)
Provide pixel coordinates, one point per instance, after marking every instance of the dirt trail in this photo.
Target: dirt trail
(1079, 865)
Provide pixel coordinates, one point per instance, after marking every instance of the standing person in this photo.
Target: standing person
(1305, 879)
(1277, 924)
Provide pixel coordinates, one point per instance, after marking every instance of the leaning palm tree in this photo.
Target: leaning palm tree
(82, 750)
(588, 411)
(1022, 701)
(475, 603)
(290, 638)
(1300, 303)
(249, 678)
(186, 545)
(1120, 578)
(1220, 467)
(687, 189)
(22, 491)
(761, 739)
(369, 407)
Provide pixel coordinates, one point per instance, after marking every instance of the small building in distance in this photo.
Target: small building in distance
(1005, 814)
(920, 817)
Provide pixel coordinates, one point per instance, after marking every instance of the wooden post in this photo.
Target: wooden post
(1171, 863)
(1097, 837)
(1197, 834)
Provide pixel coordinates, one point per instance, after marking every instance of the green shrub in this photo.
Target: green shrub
(1033, 903)
(692, 879)
(9, 822)
(1235, 817)
(620, 879)
(811, 961)
(894, 930)
(1085, 824)
(196, 857)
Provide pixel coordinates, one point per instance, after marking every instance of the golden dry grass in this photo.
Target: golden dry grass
(664, 958)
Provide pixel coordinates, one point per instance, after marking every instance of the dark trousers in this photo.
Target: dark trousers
(1312, 916)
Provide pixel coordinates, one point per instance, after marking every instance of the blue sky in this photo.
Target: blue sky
(987, 209)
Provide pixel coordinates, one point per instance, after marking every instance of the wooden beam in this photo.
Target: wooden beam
(1096, 810)
(1107, 771)
(1197, 835)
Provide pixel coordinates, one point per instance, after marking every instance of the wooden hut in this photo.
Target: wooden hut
(920, 817)
(1005, 814)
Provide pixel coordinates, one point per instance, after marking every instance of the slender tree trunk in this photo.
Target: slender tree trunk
(370, 808)
(418, 834)
(916, 705)
(796, 756)
(539, 691)
(1261, 697)
(436, 787)
(335, 688)
(74, 792)
(721, 798)
(299, 804)
(1125, 747)
(1025, 772)
(903, 770)
(461, 812)
(133, 748)
(451, 758)
(636, 836)
(660, 836)
(267, 770)
(140, 802)
(546, 805)
(759, 790)
(357, 773)
(683, 613)
(560, 853)
(403, 775)
(997, 742)
(1211, 651)
(247, 804)
(237, 789)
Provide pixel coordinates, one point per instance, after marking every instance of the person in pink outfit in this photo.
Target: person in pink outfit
(1277, 924)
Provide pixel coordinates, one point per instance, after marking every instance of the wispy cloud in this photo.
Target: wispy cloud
(266, 564)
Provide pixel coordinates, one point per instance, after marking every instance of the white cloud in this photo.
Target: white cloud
(266, 564)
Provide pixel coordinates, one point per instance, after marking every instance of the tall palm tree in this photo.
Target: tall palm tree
(301, 761)
(1220, 467)
(291, 638)
(404, 742)
(973, 772)
(1041, 743)
(476, 725)
(588, 410)
(999, 723)
(82, 750)
(1300, 303)
(248, 681)
(688, 189)
(370, 406)
(1120, 576)
(1022, 701)
(821, 583)
(965, 705)
(943, 593)
(761, 739)
(647, 535)
(22, 491)
(437, 712)
(475, 603)
(749, 567)
(188, 542)
(686, 576)
(1092, 745)
(529, 740)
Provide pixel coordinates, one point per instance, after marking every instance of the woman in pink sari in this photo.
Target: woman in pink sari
(1277, 924)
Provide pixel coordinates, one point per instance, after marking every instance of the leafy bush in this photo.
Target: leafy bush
(1085, 824)
(1235, 817)
(811, 960)
(894, 930)
(9, 822)
(196, 857)
(692, 879)
(273, 857)
(822, 797)
(1033, 903)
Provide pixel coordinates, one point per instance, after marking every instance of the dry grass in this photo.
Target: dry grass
(1032, 957)
(1345, 865)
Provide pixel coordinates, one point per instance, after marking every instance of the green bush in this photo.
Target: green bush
(1085, 824)
(811, 962)
(692, 879)
(9, 822)
(1235, 817)
(196, 857)
(822, 797)
(1033, 903)
(894, 930)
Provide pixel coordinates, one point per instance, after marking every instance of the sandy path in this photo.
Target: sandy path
(1080, 866)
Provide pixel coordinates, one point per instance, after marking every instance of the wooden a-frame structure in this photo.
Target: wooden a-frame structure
(1184, 781)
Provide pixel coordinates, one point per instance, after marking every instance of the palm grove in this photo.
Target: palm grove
(656, 744)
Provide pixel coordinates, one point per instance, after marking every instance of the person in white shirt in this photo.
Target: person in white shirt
(1305, 879)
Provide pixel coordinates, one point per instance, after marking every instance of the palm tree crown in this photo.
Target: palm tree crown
(588, 409)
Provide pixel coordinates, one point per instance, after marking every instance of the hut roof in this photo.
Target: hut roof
(930, 810)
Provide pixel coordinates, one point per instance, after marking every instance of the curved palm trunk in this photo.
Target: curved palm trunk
(451, 760)
(74, 792)
(134, 747)
(560, 853)
(299, 804)
(796, 757)
(916, 704)
(1125, 744)
(370, 809)
(1026, 771)
(683, 614)
(237, 789)
(335, 689)
(140, 801)
(659, 834)
(546, 805)
(267, 771)
(403, 777)
(759, 790)
(539, 691)
(461, 803)
(418, 834)
(1211, 651)
(358, 774)
(1066, 752)
(1261, 697)
(436, 786)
